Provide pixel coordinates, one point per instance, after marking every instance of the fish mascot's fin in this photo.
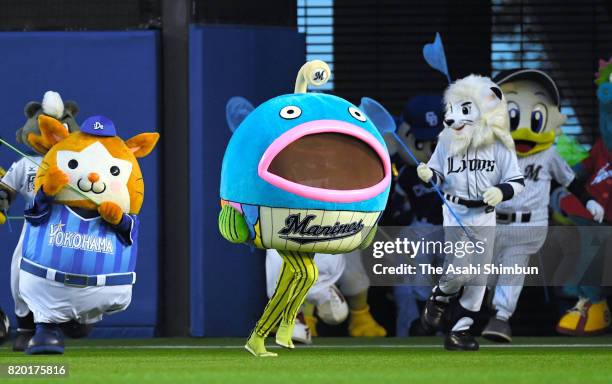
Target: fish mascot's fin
(236, 110)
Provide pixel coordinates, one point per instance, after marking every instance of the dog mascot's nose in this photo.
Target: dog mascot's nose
(449, 122)
(93, 177)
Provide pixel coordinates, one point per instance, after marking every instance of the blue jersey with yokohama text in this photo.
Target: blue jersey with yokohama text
(69, 243)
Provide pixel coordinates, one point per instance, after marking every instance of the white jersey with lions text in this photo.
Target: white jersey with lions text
(467, 176)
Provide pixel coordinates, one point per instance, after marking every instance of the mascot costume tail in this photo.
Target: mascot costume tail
(302, 173)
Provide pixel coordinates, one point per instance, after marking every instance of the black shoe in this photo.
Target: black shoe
(22, 339)
(25, 331)
(460, 341)
(76, 330)
(433, 318)
(498, 330)
(47, 340)
(416, 329)
(5, 327)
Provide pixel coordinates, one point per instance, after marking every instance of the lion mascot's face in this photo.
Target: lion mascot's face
(476, 115)
(461, 116)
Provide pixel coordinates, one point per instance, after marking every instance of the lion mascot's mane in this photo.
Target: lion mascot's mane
(493, 122)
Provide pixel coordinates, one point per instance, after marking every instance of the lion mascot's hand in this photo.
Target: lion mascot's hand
(54, 181)
(424, 172)
(492, 196)
(110, 212)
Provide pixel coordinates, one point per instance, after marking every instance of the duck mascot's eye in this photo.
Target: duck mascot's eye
(290, 112)
(356, 113)
(515, 115)
(538, 118)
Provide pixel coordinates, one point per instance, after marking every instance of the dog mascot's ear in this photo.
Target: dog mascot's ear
(71, 107)
(236, 110)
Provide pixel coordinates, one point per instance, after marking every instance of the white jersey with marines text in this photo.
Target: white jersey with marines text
(538, 170)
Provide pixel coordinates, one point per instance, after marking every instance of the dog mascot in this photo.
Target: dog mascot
(19, 180)
(535, 120)
(303, 173)
(475, 165)
(80, 241)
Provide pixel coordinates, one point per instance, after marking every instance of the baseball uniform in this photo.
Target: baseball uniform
(524, 222)
(76, 267)
(20, 177)
(464, 178)
(598, 170)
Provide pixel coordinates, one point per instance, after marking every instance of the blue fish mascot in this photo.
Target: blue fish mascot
(302, 173)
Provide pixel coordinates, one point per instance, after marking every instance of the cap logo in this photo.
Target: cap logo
(431, 118)
(98, 126)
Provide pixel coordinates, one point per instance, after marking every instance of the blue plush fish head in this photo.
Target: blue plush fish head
(306, 151)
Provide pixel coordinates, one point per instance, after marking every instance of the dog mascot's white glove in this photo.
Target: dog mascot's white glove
(596, 210)
(492, 196)
(425, 173)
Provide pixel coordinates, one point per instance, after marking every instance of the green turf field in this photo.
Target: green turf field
(331, 360)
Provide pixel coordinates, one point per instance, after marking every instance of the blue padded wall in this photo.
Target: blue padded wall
(228, 281)
(111, 73)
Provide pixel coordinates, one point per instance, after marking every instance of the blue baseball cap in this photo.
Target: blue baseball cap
(99, 126)
(425, 115)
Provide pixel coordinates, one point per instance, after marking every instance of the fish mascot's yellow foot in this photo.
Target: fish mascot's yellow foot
(283, 335)
(585, 319)
(362, 324)
(257, 347)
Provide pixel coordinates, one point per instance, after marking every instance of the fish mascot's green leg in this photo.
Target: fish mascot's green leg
(297, 285)
(298, 274)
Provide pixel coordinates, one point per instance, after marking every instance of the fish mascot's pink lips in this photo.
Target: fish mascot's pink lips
(327, 160)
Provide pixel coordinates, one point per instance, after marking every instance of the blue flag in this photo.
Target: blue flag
(435, 56)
